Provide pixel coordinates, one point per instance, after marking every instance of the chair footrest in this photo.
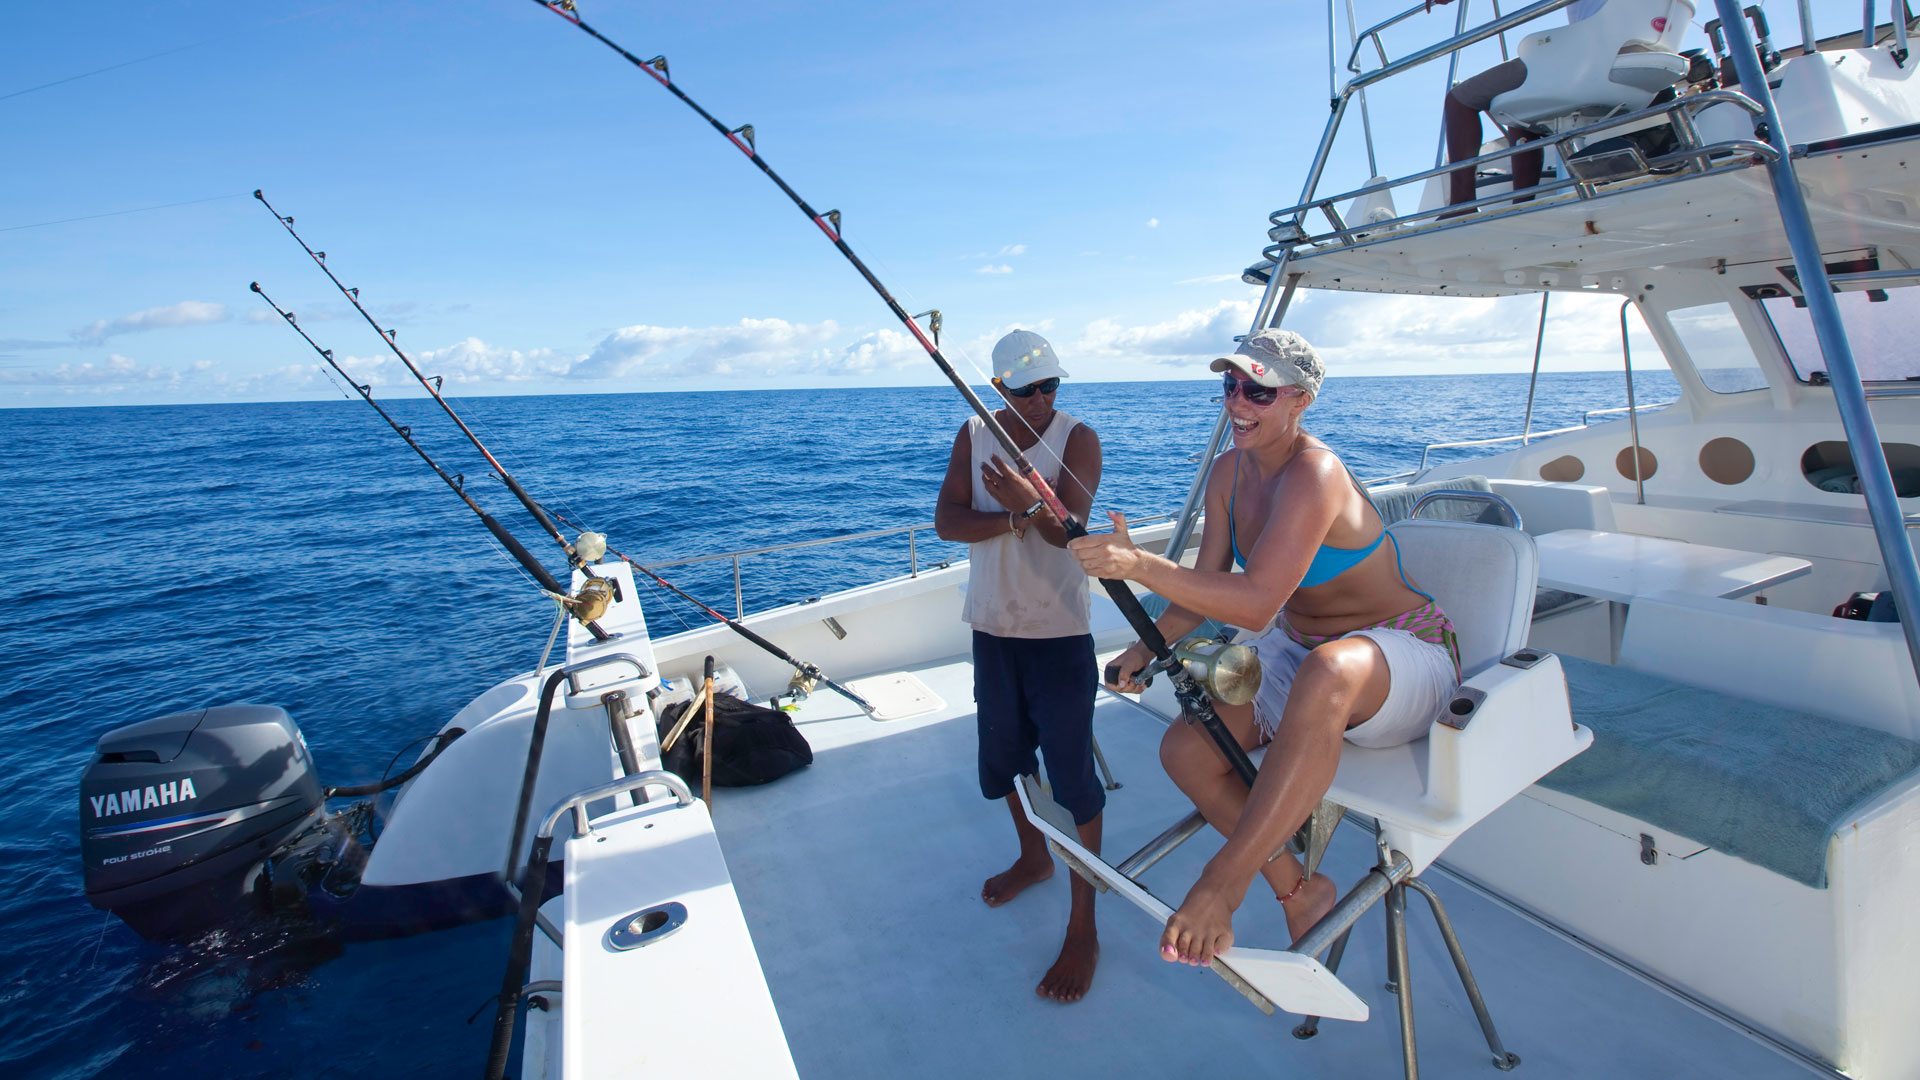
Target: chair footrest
(1270, 978)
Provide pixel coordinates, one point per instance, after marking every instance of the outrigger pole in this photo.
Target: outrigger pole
(432, 386)
(457, 483)
(1186, 687)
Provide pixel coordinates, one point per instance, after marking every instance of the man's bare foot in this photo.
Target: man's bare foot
(1203, 927)
(1012, 881)
(1071, 975)
(1309, 905)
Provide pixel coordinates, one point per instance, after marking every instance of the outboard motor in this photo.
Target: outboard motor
(180, 815)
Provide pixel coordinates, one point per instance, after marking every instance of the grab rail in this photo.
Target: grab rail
(1586, 418)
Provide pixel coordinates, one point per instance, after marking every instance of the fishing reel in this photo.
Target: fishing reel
(801, 686)
(1228, 673)
(593, 599)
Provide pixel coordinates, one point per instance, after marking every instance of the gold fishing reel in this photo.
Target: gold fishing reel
(593, 599)
(801, 686)
(1230, 673)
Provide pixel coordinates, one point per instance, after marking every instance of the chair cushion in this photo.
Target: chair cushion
(1760, 783)
(1482, 575)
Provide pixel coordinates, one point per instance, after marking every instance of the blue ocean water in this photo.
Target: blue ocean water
(163, 558)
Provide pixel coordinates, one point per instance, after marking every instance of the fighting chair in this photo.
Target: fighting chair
(1507, 726)
(1612, 62)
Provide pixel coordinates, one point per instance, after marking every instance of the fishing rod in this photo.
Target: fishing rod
(1186, 686)
(592, 600)
(804, 673)
(432, 386)
(584, 551)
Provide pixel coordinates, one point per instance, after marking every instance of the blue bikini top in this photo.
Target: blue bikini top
(1328, 563)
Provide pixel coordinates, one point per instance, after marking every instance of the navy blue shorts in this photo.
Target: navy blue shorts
(1037, 693)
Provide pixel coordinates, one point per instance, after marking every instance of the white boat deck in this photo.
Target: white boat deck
(860, 878)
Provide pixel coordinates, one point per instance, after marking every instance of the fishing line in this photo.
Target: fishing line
(432, 386)
(166, 52)
(541, 577)
(1187, 687)
(122, 213)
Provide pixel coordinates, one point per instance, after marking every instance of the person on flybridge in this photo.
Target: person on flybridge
(1349, 647)
(1460, 117)
(1033, 668)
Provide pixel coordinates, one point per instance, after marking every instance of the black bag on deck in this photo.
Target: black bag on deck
(752, 744)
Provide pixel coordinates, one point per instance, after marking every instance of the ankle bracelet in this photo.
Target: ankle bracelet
(1295, 891)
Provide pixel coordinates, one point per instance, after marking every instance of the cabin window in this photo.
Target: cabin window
(1712, 337)
(1879, 326)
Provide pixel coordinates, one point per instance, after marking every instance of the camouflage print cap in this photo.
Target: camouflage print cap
(1276, 358)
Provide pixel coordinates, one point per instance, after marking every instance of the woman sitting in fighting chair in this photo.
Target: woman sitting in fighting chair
(1349, 647)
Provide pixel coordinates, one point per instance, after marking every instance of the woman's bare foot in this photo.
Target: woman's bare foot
(1203, 927)
(1309, 905)
(1012, 881)
(1071, 975)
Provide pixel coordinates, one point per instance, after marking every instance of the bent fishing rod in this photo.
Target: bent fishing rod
(801, 668)
(456, 484)
(432, 387)
(1186, 687)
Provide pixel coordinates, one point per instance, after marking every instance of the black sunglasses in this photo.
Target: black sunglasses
(1255, 394)
(1044, 386)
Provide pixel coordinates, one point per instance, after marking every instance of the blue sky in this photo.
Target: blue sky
(534, 216)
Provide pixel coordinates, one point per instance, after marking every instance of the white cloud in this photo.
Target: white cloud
(1188, 336)
(1416, 334)
(992, 268)
(750, 347)
(184, 313)
(115, 372)
(1014, 250)
(870, 353)
(1153, 223)
(1209, 279)
(473, 361)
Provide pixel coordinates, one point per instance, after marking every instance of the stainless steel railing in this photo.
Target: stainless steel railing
(1523, 438)
(910, 531)
(1288, 229)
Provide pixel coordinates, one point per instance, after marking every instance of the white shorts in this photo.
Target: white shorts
(1421, 680)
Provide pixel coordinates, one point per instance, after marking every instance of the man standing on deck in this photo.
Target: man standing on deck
(1034, 677)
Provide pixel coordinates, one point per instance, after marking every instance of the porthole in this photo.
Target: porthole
(1726, 460)
(1564, 469)
(1624, 461)
(1829, 467)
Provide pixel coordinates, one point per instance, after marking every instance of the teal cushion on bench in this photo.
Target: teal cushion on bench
(1764, 784)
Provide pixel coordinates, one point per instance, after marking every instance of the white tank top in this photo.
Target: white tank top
(1024, 588)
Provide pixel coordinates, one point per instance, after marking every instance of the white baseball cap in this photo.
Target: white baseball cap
(1024, 357)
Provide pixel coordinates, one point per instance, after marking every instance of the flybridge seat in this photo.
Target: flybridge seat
(1506, 727)
(1615, 61)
